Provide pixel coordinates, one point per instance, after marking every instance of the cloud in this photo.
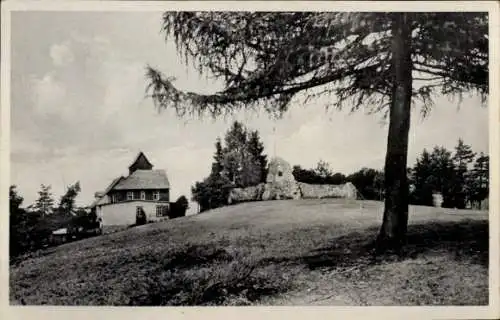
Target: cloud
(84, 117)
(48, 94)
(61, 54)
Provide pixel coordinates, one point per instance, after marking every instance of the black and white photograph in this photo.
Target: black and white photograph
(250, 155)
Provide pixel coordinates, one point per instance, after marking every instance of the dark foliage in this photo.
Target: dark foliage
(369, 183)
(385, 61)
(31, 228)
(178, 209)
(241, 162)
(461, 178)
(311, 176)
(211, 193)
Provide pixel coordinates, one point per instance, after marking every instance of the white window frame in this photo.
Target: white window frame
(143, 195)
(161, 210)
(156, 195)
(114, 198)
(130, 195)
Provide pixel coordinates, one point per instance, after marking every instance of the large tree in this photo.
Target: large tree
(18, 233)
(259, 159)
(384, 61)
(423, 176)
(44, 205)
(462, 159)
(67, 202)
(218, 164)
(240, 163)
(479, 182)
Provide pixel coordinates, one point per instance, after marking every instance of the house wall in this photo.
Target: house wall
(124, 213)
(105, 199)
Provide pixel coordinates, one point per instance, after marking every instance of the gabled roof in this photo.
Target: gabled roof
(111, 185)
(139, 155)
(144, 179)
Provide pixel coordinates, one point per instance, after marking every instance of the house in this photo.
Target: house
(144, 190)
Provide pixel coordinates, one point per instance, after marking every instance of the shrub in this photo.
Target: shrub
(178, 208)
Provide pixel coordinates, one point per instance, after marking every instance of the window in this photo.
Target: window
(143, 195)
(156, 195)
(130, 195)
(280, 173)
(114, 198)
(161, 211)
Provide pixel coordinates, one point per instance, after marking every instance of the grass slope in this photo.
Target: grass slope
(295, 252)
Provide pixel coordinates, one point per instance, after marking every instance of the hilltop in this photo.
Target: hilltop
(292, 252)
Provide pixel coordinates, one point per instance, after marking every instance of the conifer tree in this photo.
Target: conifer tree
(383, 61)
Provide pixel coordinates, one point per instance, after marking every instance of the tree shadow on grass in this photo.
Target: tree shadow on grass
(465, 240)
(205, 275)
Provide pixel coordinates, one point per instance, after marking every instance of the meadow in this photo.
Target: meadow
(287, 252)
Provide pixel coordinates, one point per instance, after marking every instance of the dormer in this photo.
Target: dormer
(140, 163)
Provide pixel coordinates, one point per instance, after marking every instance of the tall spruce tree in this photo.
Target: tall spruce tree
(443, 175)
(256, 149)
(479, 183)
(218, 164)
(234, 152)
(361, 58)
(44, 205)
(67, 202)
(423, 180)
(239, 163)
(462, 159)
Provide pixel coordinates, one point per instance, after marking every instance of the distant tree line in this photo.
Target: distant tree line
(238, 163)
(461, 176)
(368, 182)
(31, 227)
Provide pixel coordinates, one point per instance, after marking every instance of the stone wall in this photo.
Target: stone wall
(281, 190)
(289, 190)
(320, 191)
(281, 184)
(253, 193)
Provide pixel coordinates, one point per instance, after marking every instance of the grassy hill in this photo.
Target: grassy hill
(295, 252)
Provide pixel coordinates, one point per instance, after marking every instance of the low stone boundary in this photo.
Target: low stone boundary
(291, 190)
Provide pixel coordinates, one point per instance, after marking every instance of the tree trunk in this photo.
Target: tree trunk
(395, 221)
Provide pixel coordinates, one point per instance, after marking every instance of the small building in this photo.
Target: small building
(437, 199)
(144, 191)
(59, 236)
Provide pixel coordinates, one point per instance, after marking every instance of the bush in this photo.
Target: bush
(178, 208)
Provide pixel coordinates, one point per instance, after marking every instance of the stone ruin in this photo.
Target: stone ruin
(281, 184)
(320, 191)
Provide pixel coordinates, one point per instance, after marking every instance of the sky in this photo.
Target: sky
(79, 111)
